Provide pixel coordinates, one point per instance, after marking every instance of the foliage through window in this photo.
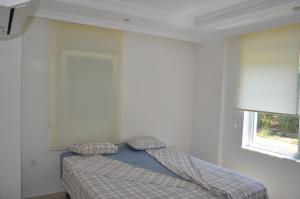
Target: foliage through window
(272, 132)
(278, 127)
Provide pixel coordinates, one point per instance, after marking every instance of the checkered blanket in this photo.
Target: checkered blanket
(216, 180)
(93, 177)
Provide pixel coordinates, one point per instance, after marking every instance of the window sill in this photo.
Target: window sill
(294, 158)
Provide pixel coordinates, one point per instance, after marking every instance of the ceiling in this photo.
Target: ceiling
(177, 9)
(191, 20)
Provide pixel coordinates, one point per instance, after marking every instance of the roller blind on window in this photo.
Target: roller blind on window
(83, 84)
(269, 70)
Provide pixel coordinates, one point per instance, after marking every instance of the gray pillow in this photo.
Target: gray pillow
(145, 142)
(94, 148)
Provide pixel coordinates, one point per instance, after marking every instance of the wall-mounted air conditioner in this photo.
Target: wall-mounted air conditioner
(12, 17)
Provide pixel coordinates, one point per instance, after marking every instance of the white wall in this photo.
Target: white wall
(43, 177)
(10, 118)
(158, 78)
(281, 177)
(208, 96)
(157, 99)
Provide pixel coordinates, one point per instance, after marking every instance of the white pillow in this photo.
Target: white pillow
(94, 148)
(145, 142)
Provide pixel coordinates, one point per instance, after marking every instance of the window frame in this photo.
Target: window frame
(249, 133)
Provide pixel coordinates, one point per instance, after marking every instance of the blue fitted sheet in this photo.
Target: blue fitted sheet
(133, 157)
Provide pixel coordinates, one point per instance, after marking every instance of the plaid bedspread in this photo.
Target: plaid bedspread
(93, 177)
(218, 181)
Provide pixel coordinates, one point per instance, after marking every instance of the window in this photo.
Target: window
(272, 133)
(84, 84)
(268, 91)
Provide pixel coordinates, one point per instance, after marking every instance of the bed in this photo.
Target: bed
(138, 174)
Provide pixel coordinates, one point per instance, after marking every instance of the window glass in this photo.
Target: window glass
(277, 132)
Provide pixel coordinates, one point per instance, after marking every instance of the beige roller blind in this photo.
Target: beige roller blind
(84, 84)
(268, 72)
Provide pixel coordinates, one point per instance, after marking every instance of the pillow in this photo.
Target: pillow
(94, 148)
(145, 142)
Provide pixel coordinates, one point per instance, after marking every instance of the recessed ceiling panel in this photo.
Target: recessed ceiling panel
(182, 7)
(191, 20)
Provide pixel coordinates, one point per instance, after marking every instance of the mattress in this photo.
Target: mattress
(129, 156)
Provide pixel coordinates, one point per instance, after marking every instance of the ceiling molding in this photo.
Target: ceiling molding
(283, 21)
(113, 25)
(132, 10)
(233, 20)
(12, 3)
(238, 10)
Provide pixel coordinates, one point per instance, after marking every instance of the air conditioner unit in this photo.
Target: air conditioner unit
(12, 18)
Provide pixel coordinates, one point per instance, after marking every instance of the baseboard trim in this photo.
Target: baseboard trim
(58, 195)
